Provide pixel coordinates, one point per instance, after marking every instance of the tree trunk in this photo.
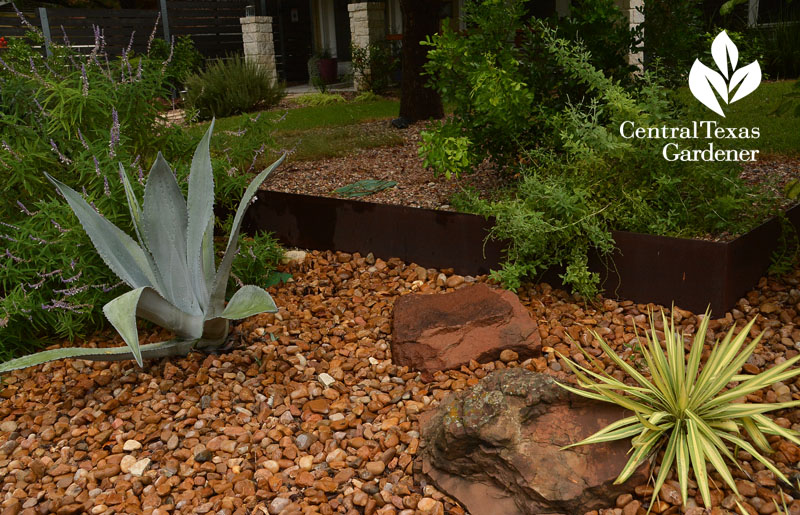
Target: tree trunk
(420, 19)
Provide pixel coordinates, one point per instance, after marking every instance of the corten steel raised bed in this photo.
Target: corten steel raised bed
(645, 268)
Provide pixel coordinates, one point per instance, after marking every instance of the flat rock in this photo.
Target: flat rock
(496, 448)
(445, 331)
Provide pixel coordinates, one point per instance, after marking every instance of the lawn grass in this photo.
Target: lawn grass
(780, 135)
(315, 132)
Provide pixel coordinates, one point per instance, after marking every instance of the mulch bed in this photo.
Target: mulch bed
(256, 431)
(417, 186)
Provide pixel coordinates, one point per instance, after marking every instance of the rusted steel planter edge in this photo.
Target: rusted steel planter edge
(693, 274)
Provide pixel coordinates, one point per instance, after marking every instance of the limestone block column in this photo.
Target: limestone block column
(631, 11)
(258, 43)
(367, 26)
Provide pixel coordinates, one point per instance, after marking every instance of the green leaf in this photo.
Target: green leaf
(200, 205)
(224, 270)
(164, 223)
(248, 301)
(276, 278)
(118, 250)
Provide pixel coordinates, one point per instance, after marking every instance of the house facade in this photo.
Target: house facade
(306, 27)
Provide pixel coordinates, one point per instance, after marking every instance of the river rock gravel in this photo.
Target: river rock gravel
(308, 414)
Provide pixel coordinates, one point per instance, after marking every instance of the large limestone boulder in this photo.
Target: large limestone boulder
(445, 331)
(496, 448)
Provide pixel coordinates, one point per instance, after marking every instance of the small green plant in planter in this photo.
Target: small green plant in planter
(171, 268)
(686, 411)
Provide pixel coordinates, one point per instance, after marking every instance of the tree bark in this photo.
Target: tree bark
(420, 19)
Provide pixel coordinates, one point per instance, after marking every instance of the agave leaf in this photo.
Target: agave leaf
(121, 312)
(149, 351)
(164, 222)
(118, 250)
(136, 219)
(248, 301)
(221, 277)
(200, 209)
(153, 307)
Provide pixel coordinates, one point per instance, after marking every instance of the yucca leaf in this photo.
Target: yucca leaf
(756, 435)
(631, 371)
(164, 230)
(118, 250)
(200, 206)
(645, 447)
(693, 364)
(224, 270)
(697, 456)
(666, 464)
(746, 447)
(770, 427)
(712, 447)
(768, 377)
(149, 351)
(623, 424)
(248, 301)
(682, 460)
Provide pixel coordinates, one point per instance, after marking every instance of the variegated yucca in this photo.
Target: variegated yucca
(686, 409)
(171, 268)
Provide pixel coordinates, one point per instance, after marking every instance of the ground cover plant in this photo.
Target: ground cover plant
(78, 118)
(557, 132)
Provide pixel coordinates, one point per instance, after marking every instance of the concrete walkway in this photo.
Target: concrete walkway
(302, 89)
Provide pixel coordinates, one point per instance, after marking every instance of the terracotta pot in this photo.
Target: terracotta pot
(327, 70)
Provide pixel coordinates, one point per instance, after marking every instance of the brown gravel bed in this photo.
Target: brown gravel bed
(416, 185)
(258, 431)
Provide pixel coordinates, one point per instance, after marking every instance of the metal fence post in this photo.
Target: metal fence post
(45, 30)
(165, 21)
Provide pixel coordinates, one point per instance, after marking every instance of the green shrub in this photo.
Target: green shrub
(604, 32)
(542, 110)
(374, 64)
(693, 415)
(781, 50)
(672, 33)
(186, 59)
(231, 86)
(318, 99)
(367, 96)
(258, 258)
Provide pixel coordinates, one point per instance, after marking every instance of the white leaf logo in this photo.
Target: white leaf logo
(704, 82)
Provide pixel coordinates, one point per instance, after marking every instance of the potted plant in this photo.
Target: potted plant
(327, 67)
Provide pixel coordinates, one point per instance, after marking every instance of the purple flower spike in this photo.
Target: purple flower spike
(114, 132)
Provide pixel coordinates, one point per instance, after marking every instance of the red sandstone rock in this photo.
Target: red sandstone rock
(445, 331)
(496, 448)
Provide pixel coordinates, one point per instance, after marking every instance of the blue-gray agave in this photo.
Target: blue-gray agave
(171, 268)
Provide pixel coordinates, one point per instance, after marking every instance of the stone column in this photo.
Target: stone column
(367, 26)
(631, 11)
(258, 44)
